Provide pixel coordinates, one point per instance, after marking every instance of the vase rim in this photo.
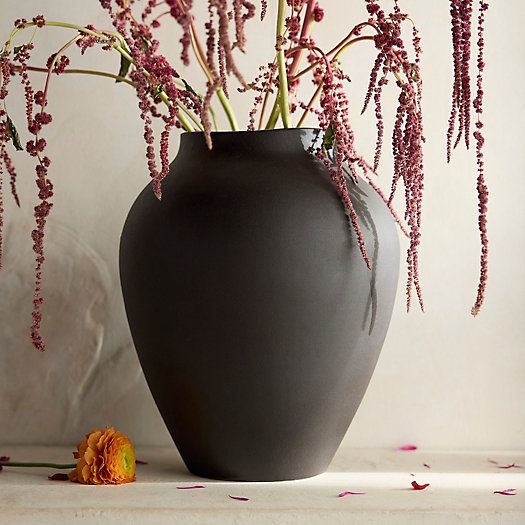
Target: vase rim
(281, 140)
(245, 132)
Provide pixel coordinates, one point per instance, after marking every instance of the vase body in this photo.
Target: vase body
(255, 318)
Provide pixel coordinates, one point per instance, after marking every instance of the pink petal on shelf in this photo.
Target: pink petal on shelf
(426, 465)
(4, 458)
(239, 498)
(512, 465)
(58, 477)
(407, 447)
(139, 462)
(348, 493)
(417, 486)
(492, 461)
(189, 487)
(506, 492)
(412, 474)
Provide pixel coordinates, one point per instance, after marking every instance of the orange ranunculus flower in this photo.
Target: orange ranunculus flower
(105, 457)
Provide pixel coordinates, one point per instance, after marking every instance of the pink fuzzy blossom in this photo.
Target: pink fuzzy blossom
(461, 14)
(240, 18)
(39, 21)
(59, 65)
(264, 8)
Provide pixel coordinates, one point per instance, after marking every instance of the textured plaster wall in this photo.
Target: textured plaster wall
(444, 379)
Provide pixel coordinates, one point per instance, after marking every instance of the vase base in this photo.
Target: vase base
(220, 476)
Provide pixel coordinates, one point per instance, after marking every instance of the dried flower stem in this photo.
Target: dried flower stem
(201, 59)
(305, 33)
(335, 49)
(281, 60)
(319, 90)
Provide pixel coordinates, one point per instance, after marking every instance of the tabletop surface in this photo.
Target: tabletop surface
(461, 490)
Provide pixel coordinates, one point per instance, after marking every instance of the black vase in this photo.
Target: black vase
(255, 318)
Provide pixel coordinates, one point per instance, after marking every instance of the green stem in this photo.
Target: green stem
(201, 59)
(281, 59)
(45, 465)
(274, 115)
(228, 109)
(93, 72)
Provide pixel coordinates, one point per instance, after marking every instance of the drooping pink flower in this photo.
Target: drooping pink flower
(334, 116)
(483, 194)
(461, 14)
(240, 18)
(11, 170)
(373, 80)
(264, 9)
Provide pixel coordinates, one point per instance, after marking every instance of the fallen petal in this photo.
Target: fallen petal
(139, 462)
(506, 492)
(492, 461)
(240, 498)
(417, 486)
(512, 465)
(426, 465)
(192, 487)
(59, 477)
(348, 493)
(407, 447)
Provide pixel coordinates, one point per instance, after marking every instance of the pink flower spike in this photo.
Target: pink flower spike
(506, 492)
(239, 498)
(407, 447)
(189, 487)
(417, 486)
(348, 493)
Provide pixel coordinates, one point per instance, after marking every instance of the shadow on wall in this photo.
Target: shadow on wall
(55, 397)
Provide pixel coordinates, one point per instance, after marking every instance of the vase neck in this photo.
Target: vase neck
(278, 141)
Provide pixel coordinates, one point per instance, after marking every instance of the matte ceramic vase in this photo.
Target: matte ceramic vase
(255, 318)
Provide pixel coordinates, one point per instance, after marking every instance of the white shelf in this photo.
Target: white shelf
(461, 491)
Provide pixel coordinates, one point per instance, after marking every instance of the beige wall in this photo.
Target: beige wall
(444, 379)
